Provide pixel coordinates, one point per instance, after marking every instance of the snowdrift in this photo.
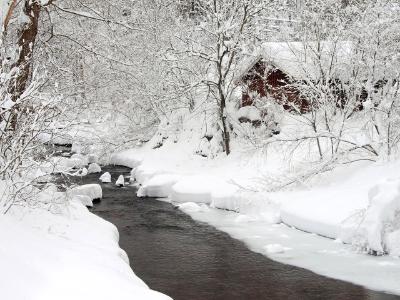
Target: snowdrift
(72, 254)
(339, 206)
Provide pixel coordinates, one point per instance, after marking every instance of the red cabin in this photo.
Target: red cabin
(266, 80)
(280, 67)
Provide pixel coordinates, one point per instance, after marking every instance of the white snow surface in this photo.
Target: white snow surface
(159, 186)
(307, 250)
(120, 181)
(196, 189)
(340, 205)
(94, 168)
(84, 199)
(93, 191)
(249, 112)
(381, 219)
(72, 254)
(275, 248)
(105, 178)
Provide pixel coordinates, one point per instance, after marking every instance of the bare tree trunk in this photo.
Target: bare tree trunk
(222, 107)
(314, 126)
(225, 132)
(26, 43)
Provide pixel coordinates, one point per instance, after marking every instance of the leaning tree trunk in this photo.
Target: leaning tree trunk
(26, 42)
(21, 68)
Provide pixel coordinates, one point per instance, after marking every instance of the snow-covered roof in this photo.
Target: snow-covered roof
(302, 60)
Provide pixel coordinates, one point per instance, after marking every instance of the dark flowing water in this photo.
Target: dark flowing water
(188, 260)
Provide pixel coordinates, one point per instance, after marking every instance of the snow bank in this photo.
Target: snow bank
(70, 256)
(350, 207)
(333, 206)
(93, 191)
(379, 224)
(192, 189)
(84, 199)
(294, 247)
(142, 174)
(254, 204)
(128, 158)
(199, 189)
(159, 186)
(190, 207)
(320, 211)
(392, 243)
(275, 248)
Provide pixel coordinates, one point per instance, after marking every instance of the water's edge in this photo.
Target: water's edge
(186, 259)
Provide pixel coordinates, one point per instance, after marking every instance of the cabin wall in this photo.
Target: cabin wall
(276, 84)
(273, 83)
(254, 82)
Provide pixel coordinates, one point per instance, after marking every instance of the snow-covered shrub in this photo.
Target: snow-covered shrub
(249, 114)
(21, 151)
(210, 146)
(377, 228)
(256, 123)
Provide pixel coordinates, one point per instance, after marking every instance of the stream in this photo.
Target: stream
(188, 260)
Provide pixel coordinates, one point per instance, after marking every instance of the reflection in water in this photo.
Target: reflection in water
(192, 261)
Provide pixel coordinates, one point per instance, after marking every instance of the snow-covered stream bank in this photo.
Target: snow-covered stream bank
(54, 248)
(44, 256)
(291, 246)
(332, 209)
(186, 259)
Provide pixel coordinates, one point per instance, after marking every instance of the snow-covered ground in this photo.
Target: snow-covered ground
(59, 250)
(307, 250)
(356, 204)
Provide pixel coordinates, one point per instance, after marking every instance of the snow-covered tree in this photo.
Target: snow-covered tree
(214, 39)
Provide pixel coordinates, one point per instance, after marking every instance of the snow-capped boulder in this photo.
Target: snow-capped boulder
(94, 168)
(120, 181)
(84, 199)
(105, 178)
(93, 191)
